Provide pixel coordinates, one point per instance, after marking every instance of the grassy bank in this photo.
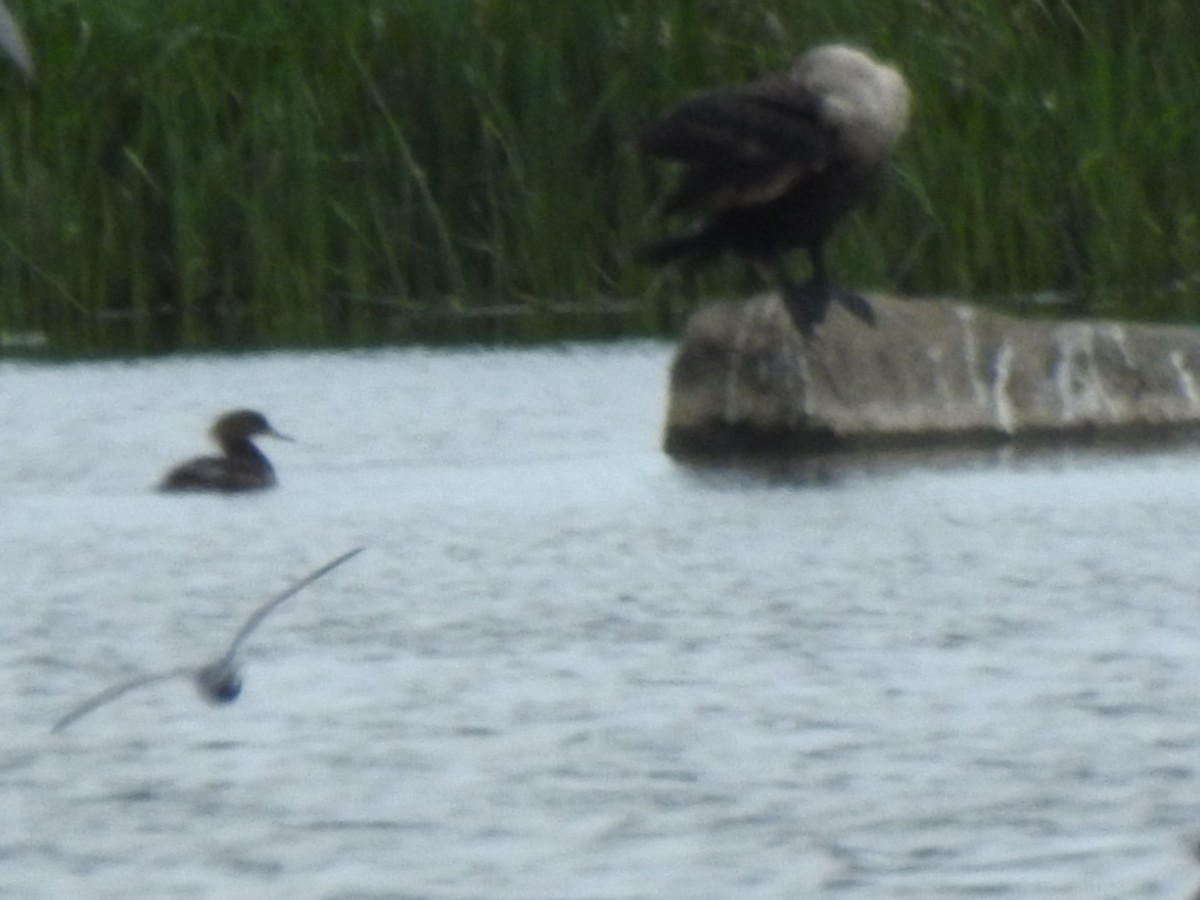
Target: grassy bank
(293, 172)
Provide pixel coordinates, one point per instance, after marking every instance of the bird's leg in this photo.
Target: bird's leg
(806, 304)
(855, 304)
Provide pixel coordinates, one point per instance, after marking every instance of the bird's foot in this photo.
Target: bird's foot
(857, 306)
(806, 305)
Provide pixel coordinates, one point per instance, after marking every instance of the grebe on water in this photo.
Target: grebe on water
(242, 468)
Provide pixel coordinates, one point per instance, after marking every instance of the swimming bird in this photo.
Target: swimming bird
(777, 163)
(219, 681)
(12, 43)
(242, 468)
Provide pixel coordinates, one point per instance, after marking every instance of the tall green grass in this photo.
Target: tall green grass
(196, 174)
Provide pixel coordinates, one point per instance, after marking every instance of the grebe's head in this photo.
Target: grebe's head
(242, 424)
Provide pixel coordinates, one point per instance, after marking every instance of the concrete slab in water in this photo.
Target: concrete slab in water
(930, 372)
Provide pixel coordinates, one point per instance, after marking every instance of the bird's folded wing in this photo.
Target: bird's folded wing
(715, 189)
(743, 145)
(752, 123)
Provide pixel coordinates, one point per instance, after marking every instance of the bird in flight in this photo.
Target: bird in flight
(219, 681)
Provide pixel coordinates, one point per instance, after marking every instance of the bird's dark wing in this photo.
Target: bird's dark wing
(112, 693)
(750, 123)
(261, 613)
(716, 188)
(742, 145)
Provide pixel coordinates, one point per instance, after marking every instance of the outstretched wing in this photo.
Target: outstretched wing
(116, 691)
(742, 146)
(262, 612)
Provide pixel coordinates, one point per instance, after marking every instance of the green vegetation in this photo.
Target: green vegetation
(198, 174)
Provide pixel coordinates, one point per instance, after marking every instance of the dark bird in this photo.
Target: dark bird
(242, 468)
(12, 43)
(219, 681)
(776, 164)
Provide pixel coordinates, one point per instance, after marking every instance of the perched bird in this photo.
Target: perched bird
(242, 468)
(219, 681)
(12, 43)
(776, 163)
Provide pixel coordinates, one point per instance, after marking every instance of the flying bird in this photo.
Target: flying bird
(12, 43)
(219, 681)
(776, 164)
(242, 467)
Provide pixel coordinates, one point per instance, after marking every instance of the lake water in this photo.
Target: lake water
(566, 667)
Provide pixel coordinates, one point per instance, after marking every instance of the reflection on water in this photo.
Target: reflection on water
(570, 668)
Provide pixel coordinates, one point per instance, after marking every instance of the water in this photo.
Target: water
(566, 667)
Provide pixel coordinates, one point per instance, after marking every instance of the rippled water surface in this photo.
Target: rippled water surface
(566, 667)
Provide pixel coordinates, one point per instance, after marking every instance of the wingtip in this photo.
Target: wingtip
(345, 557)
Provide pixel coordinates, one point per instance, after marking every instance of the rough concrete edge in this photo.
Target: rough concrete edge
(715, 438)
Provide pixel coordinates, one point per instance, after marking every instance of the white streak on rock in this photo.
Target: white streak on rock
(1001, 404)
(733, 373)
(1187, 381)
(1078, 382)
(979, 385)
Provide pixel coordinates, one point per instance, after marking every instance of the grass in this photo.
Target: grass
(196, 175)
